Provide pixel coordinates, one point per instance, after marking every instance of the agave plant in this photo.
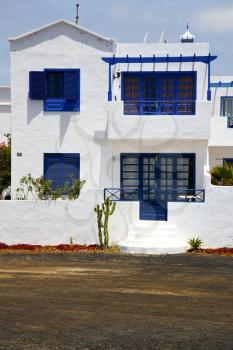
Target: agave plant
(195, 243)
(222, 175)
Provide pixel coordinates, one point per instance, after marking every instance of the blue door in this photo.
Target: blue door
(152, 179)
(153, 204)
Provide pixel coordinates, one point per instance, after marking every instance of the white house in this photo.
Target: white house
(141, 123)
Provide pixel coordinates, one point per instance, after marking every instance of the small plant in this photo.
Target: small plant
(41, 189)
(108, 208)
(37, 189)
(5, 164)
(195, 244)
(222, 175)
(73, 191)
(71, 241)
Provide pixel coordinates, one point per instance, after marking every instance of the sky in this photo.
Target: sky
(127, 21)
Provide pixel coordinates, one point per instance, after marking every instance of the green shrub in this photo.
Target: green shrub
(222, 175)
(195, 243)
(5, 164)
(41, 189)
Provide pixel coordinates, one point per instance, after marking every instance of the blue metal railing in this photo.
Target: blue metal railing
(159, 107)
(187, 195)
(150, 194)
(121, 194)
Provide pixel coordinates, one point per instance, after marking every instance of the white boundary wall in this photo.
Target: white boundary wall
(55, 222)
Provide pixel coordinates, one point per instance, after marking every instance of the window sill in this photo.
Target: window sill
(61, 106)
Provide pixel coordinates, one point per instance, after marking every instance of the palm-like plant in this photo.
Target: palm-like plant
(195, 243)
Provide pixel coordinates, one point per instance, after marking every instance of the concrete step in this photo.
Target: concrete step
(141, 235)
(152, 250)
(161, 238)
(152, 225)
(162, 229)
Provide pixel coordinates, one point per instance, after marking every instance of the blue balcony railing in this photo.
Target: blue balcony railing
(230, 122)
(121, 194)
(159, 107)
(150, 194)
(188, 195)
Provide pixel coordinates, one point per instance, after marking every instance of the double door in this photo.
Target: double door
(154, 177)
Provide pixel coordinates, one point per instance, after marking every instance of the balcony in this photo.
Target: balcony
(150, 120)
(150, 194)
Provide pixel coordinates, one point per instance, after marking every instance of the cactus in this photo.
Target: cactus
(99, 213)
(108, 208)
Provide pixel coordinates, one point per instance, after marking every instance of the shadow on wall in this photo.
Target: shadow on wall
(35, 109)
(65, 119)
(105, 159)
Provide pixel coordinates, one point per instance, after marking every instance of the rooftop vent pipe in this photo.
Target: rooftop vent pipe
(77, 15)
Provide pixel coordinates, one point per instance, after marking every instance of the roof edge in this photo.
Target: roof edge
(99, 36)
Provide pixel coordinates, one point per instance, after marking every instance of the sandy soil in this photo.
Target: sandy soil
(96, 301)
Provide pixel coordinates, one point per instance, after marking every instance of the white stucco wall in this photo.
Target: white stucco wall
(5, 111)
(160, 127)
(55, 222)
(221, 135)
(218, 153)
(211, 221)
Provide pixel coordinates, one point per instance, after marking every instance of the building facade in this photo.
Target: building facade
(141, 123)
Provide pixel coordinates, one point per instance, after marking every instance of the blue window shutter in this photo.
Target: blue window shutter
(71, 85)
(72, 90)
(37, 85)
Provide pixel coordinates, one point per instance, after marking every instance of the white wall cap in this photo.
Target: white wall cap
(61, 21)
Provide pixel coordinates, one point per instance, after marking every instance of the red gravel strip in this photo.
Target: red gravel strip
(218, 251)
(39, 248)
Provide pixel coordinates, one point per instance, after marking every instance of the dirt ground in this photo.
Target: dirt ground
(96, 301)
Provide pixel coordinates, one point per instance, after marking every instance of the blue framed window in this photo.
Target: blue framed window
(55, 85)
(227, 109)
(144, 175)
(61, 168)
(226, 106)
(59, 88)
(154, 93)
